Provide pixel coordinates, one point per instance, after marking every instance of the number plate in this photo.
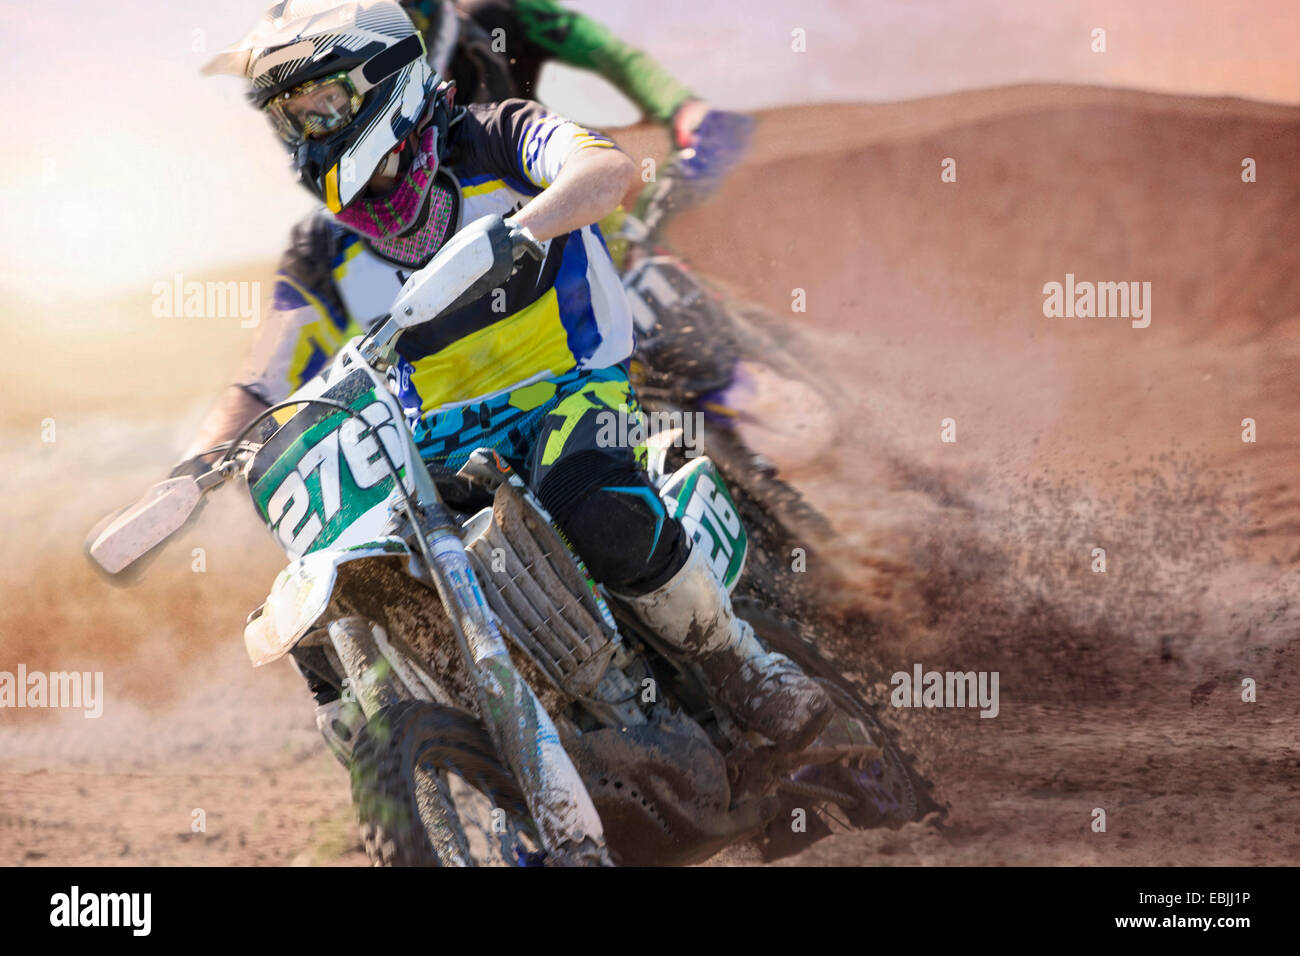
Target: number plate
(697, 496)
(321, 479)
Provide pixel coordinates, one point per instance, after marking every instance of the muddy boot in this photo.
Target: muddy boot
(762, 691)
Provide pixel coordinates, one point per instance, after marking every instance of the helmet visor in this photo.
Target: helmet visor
(316, 109)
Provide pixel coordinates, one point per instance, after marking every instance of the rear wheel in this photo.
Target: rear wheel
(882, 791)
(430, 791)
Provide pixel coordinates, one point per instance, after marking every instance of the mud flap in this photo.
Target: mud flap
(301, 594)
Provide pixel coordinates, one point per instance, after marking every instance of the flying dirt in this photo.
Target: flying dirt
(1123, 689)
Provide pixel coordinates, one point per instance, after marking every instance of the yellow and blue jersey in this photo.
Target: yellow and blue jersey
(565, 314)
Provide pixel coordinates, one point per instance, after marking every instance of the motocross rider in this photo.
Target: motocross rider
(494, 50)
(527, 370)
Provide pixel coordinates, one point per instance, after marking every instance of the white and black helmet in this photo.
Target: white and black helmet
(343, 83)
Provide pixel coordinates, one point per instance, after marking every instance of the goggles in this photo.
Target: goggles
(319, 108)
(315, 110)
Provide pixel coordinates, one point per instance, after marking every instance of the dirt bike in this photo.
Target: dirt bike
(495, 704)
(704, 352)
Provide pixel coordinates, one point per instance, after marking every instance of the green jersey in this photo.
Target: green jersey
(504, 43)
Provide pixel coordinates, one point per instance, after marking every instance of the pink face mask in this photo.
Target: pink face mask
(387, 220)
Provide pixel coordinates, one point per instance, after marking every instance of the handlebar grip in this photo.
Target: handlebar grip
(474, 261)
(503, 261)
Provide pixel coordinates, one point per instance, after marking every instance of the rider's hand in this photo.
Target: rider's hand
(716, 142)
(523, 242)
(686, 121)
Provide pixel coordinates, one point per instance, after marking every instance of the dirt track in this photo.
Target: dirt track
(1118, 690)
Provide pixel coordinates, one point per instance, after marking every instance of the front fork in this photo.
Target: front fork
(524, 734)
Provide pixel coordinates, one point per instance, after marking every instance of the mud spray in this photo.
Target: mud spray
(1119, 689)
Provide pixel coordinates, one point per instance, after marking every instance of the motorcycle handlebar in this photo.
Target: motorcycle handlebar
(472, 262)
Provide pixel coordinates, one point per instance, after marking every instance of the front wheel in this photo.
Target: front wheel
(429, 791)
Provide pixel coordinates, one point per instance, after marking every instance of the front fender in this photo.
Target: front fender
(300, 595)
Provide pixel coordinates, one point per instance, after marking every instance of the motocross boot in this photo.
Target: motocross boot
(762, 691)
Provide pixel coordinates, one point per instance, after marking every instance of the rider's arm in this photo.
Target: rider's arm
(303, 327)
(233, 410)
(293, 342)
(575, 175)
(582, 42)
(589, 187)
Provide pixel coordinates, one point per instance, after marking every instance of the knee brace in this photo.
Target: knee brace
(614, 518)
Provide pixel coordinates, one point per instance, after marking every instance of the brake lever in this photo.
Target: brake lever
(221, 472)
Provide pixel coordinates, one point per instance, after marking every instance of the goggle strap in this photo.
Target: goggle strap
(384, 64)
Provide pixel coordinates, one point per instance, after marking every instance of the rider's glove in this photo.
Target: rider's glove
(523, 242)
(716, 145)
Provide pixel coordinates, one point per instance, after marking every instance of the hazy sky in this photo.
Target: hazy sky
(123, 166)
